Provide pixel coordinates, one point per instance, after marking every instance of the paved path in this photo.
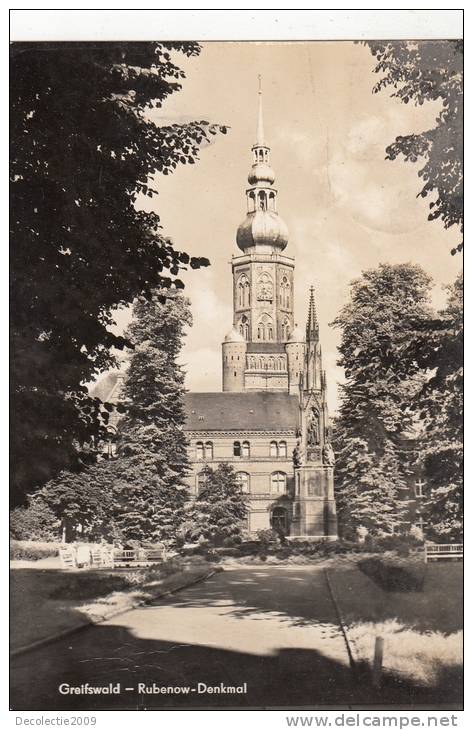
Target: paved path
(274, 628)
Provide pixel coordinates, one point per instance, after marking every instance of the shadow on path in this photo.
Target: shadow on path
(141, 646)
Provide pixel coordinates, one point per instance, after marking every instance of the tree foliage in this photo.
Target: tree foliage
(83, 151)
(220, 507)
(429, 71)
(140, 494)
(149, 488)
(388, 306)
(36, 521)
(441, 405)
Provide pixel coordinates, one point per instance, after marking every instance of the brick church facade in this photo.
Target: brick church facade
(270, 422)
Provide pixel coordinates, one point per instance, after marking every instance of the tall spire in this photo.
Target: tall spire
(260, 128)
(312, 330)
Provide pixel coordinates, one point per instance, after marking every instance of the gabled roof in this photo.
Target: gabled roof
(107, 387)
(259, 411)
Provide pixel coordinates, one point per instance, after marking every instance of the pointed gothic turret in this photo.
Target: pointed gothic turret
(312, 328)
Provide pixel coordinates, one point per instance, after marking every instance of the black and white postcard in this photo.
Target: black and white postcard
(237, 369)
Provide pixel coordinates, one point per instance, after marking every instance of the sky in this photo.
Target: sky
(347, 207)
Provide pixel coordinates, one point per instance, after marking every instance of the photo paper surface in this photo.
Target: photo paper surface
(237, 384)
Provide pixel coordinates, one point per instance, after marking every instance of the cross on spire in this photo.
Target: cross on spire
(260, 127)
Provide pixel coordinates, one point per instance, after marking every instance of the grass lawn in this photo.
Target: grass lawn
(422, 629)
(45, 602)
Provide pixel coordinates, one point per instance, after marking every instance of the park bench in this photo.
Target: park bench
(102, 556)
(68, 557)
(433, 551)
(124, 558)
(139, 557)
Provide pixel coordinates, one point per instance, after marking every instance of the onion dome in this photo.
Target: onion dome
(234, 336)
(297, 335)
(261, 172)
(262, 228)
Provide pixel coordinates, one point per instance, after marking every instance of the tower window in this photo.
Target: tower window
(273, 448)
(209, 450)
(243, 291)
(236, 448)
(245, 449)
(282, 449)
(199, 450)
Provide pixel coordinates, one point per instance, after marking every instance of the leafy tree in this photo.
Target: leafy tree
(220, 506)
(83, 151)
(387, 308)
(441, 404)
(34, 522)
(79, 498)
(419, 72)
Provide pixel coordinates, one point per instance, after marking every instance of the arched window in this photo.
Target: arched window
(251, 202)
(243, 291)
(209, 450)
(265, 328)
(285, 293)
(278, 482)
(272, 201)
(236, 448)
(199, 450)
(273, 448)
(283, 449)
(262, 200)
(245, 449)
(243, 480)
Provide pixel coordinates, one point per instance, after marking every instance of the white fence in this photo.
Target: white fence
(434, 551)
(107, 556)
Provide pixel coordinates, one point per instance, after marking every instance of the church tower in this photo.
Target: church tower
(263, 285)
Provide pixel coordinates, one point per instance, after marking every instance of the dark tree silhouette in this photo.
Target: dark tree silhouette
(388, 307)
(83, 150)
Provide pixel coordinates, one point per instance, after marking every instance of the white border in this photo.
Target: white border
(144, 24)
(233, 25)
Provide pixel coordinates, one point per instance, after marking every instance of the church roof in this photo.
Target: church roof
(107, 387)
(259, 411)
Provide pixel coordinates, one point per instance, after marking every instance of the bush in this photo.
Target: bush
(402, 544)
(23, 550)
(391, 577)
(35, 522)
(267, 538)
